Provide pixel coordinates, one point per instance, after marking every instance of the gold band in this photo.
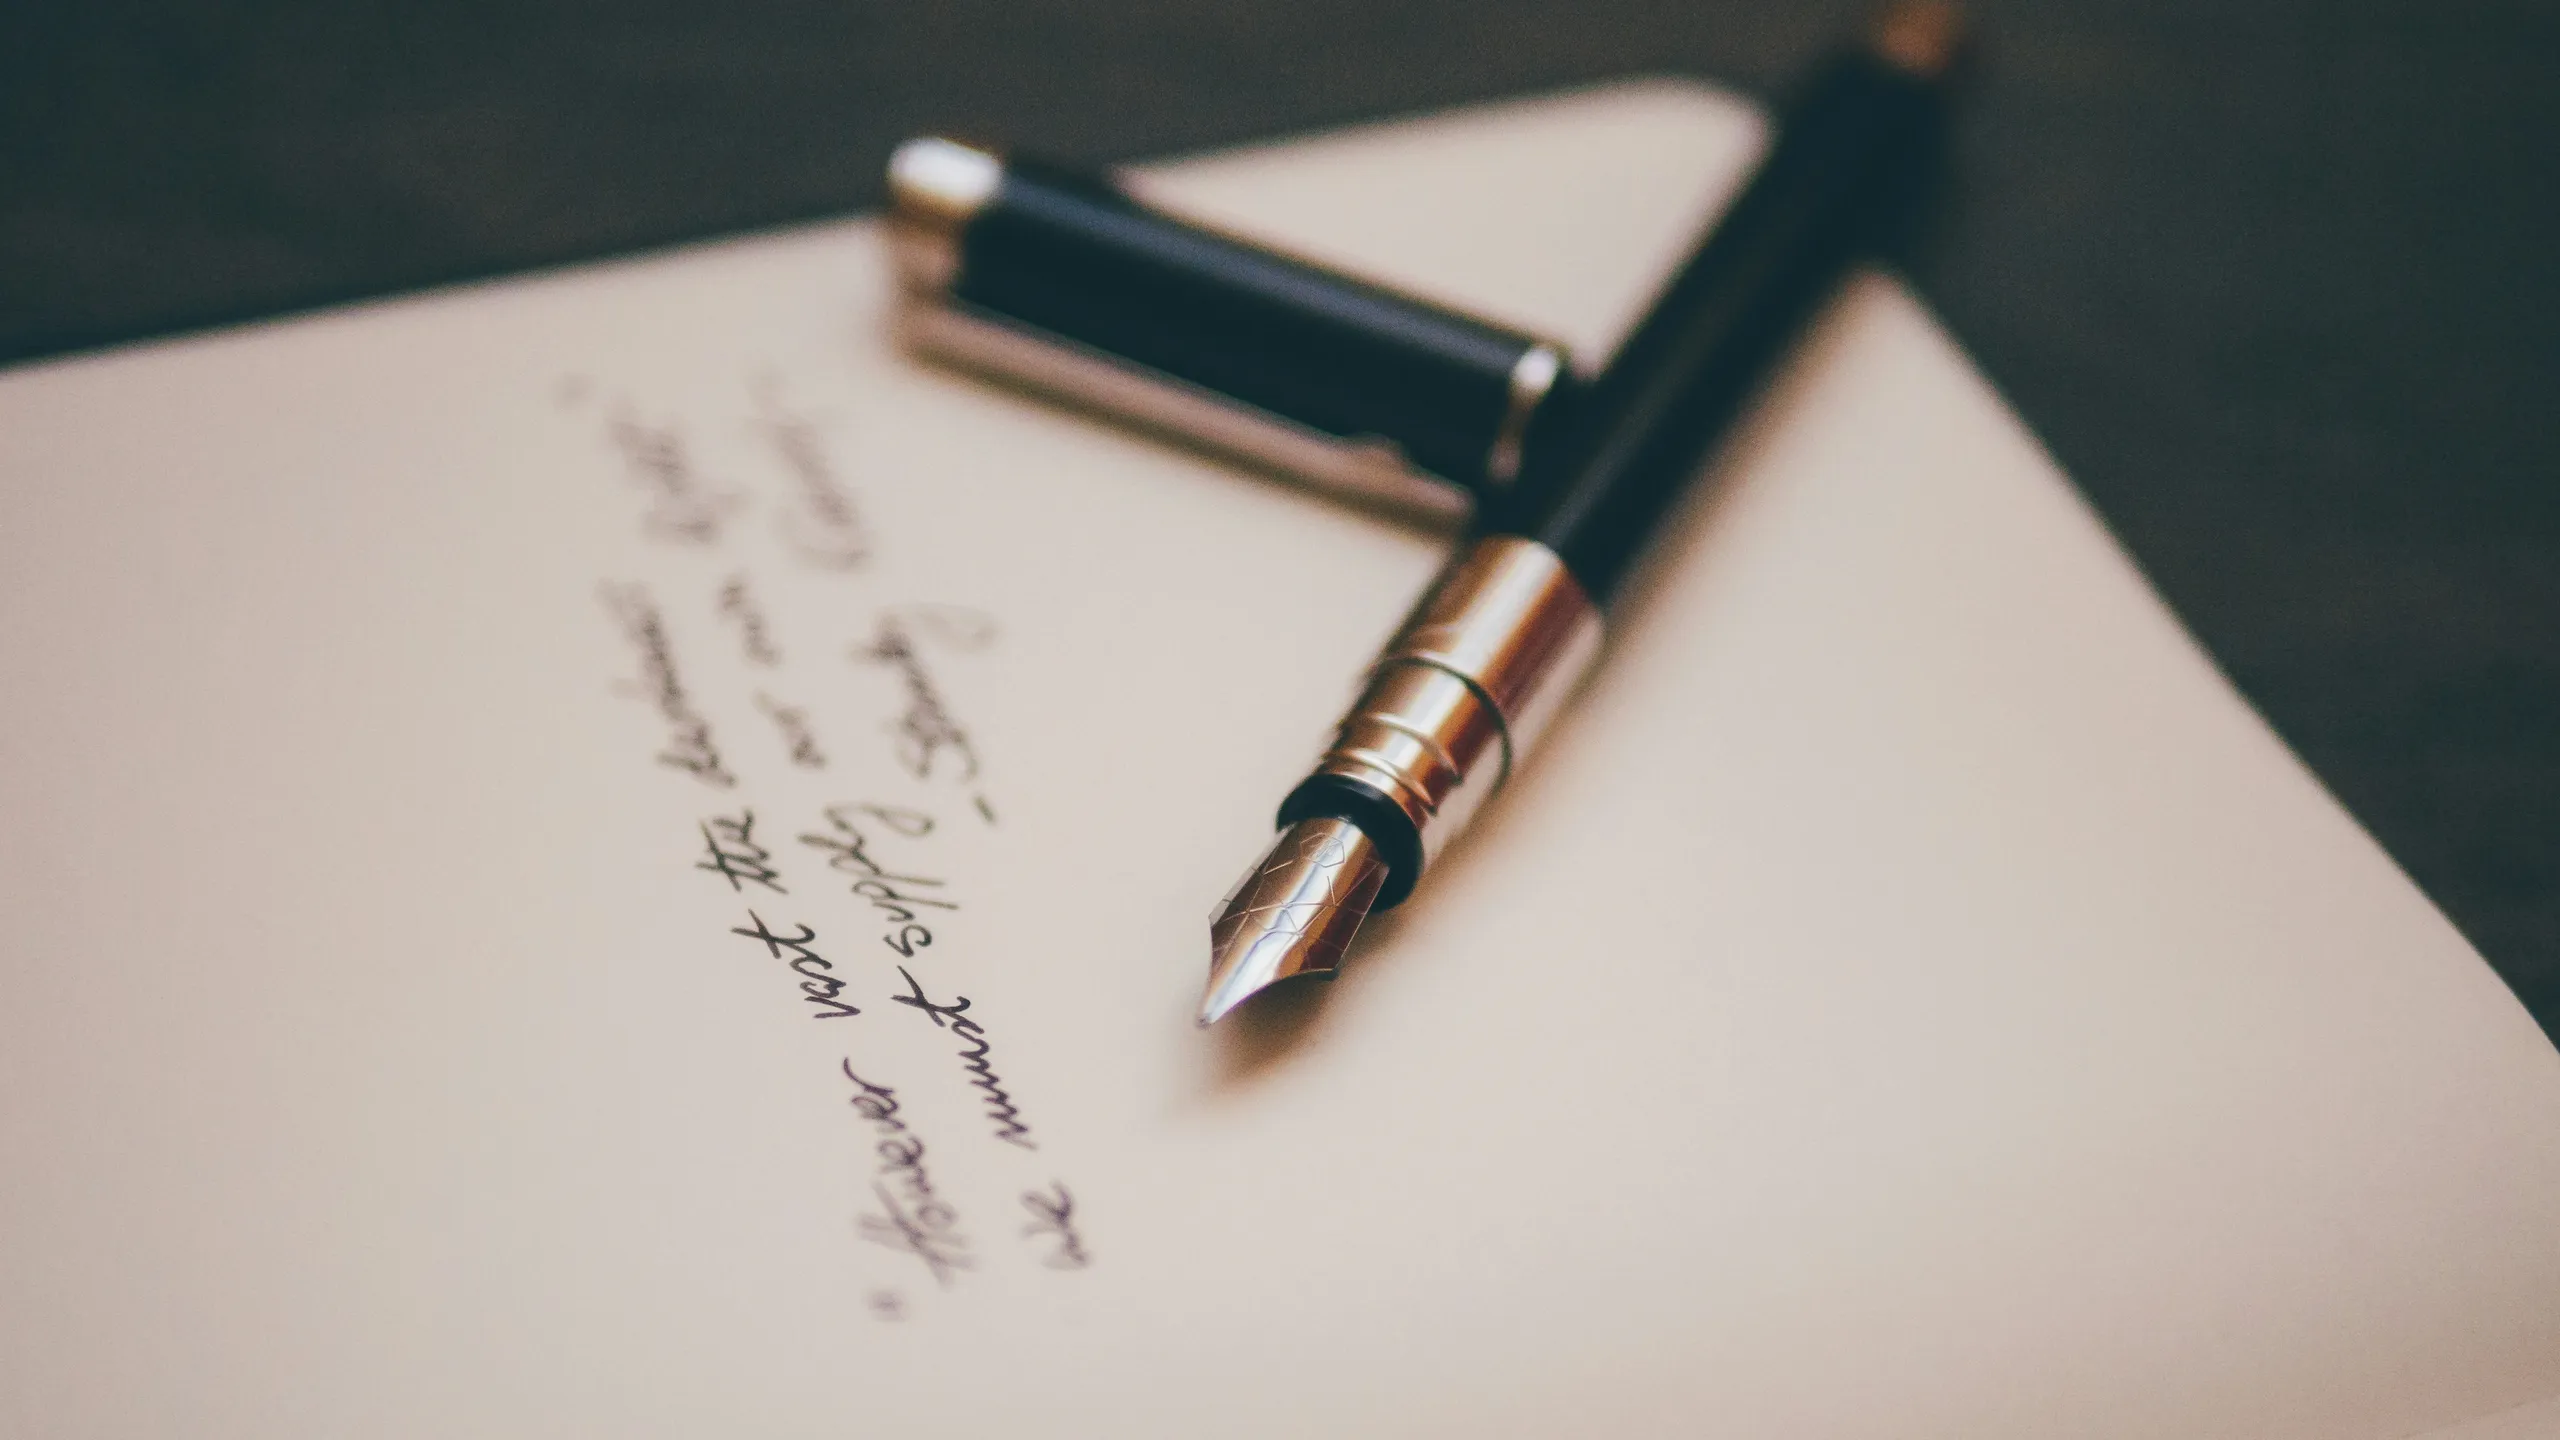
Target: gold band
(1468, 686)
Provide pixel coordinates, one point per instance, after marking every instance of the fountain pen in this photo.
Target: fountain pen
(1459, 697)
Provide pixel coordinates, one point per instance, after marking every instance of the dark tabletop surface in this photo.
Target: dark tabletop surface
(2275, 281)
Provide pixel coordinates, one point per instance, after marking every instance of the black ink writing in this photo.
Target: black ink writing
(737, 605)
(689, 745)
(824, 526)
(818, 984)
(730, 851)
(1053, 1214)
(898, 898)
(914, 824)
(925, 732)
(683, 507)
(973, 1058)
(799, 740)
(913, 1218)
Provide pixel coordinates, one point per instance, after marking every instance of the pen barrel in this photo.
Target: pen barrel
(1846, 163)
(1456, 701)
(1231, 344)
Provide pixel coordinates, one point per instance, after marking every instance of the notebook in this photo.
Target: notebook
(603, 854)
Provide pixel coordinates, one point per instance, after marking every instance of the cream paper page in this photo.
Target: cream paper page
(509, 793)
(2532, 1421)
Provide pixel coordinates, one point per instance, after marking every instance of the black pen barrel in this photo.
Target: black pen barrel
(1078, 257)
(1478, 671)
(1844, 164)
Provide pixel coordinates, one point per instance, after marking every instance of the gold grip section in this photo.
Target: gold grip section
(1468, 685)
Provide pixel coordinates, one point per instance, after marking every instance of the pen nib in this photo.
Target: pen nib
(1293, 914)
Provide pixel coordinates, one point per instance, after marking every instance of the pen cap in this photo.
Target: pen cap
(1060, 279)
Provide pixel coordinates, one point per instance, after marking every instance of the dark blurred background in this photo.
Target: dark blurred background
(2275, 279)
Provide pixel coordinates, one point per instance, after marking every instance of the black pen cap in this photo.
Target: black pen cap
(1061, 280)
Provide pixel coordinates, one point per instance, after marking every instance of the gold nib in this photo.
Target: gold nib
(1292, 914)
